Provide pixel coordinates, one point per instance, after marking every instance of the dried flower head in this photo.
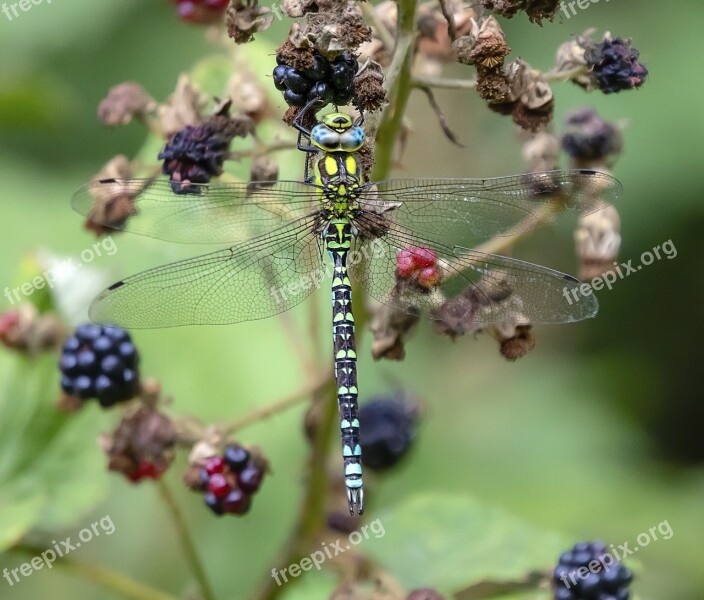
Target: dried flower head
(142, 445)
(537, 10)
(113, 203)
(198, 152)
(25, 330)
(124, 102)
(598, 241)
(610, 65)
(370, 94)
(183, 108)
(614, 65)
(484, 46)
(244, 18)
(338, 25)
(390, 327)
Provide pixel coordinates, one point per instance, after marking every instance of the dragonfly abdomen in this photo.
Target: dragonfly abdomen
(338, 239)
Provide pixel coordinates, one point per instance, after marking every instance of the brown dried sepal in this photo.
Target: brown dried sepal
(485, 45)
(520, 344)
(493, 85)
(370, 94)
(230, 126)
(245, 18)
(390, 326)
(598, 242)
(124, 102)
(456, 316)
(143, 435)
(184, 107)
(332, 31)
(113, 202)
(25, 330)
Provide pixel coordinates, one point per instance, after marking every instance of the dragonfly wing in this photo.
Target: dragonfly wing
(258, 279)
(474, 287)
(217, 213)
(466, 211)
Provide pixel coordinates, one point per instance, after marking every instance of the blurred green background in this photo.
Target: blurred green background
(596, 434)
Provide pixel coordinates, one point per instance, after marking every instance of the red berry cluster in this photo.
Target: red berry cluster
(419, 265)
(146, 470)
(230, 480)
(200, 11)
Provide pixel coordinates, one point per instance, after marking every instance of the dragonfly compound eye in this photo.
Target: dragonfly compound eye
(352, 140)
(325, 138)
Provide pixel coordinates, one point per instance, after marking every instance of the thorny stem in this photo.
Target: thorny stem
(275, 408)
(118, 582)
(398, 85)
(186, 541)
(468, 84)
(261, 150)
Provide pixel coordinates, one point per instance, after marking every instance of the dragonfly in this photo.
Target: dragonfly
(406, 243)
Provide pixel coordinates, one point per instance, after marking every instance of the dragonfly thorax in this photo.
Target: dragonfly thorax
(338, 176)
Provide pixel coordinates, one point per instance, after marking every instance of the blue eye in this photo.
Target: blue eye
(352, 140)
(325, 138)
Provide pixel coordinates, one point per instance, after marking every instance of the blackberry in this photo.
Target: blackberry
(100, 362)
(614, 67)
(236, 457)
(194, 155)
(327, 81)
(230, 480)
(608, 580)
(387, 427)
(590, 138)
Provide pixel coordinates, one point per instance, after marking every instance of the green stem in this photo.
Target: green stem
(279, 406)
(107, 578)
(398, 85)
(186, 541)
(311, 519)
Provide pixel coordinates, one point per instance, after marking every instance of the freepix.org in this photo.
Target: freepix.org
(12, 10)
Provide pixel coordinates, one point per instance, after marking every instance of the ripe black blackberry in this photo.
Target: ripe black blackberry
(330, 82)
(608, 580)
(387, 427)
(229, 481)
(100, 362)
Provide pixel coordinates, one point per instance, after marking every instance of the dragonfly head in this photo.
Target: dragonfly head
(336, 132)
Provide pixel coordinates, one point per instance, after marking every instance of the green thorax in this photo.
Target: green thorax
(339, 176)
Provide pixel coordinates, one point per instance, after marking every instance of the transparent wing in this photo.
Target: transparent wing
(466, 211)
(255, 280)
(217, 213)
(473, 286)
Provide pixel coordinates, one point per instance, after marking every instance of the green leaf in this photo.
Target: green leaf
(453, 542)
(51, 470)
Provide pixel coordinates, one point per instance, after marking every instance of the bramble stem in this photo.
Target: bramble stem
(468, 84)
(107, 578)
(398, 86)
(186, 540)
(265, 412)
(261, 149)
